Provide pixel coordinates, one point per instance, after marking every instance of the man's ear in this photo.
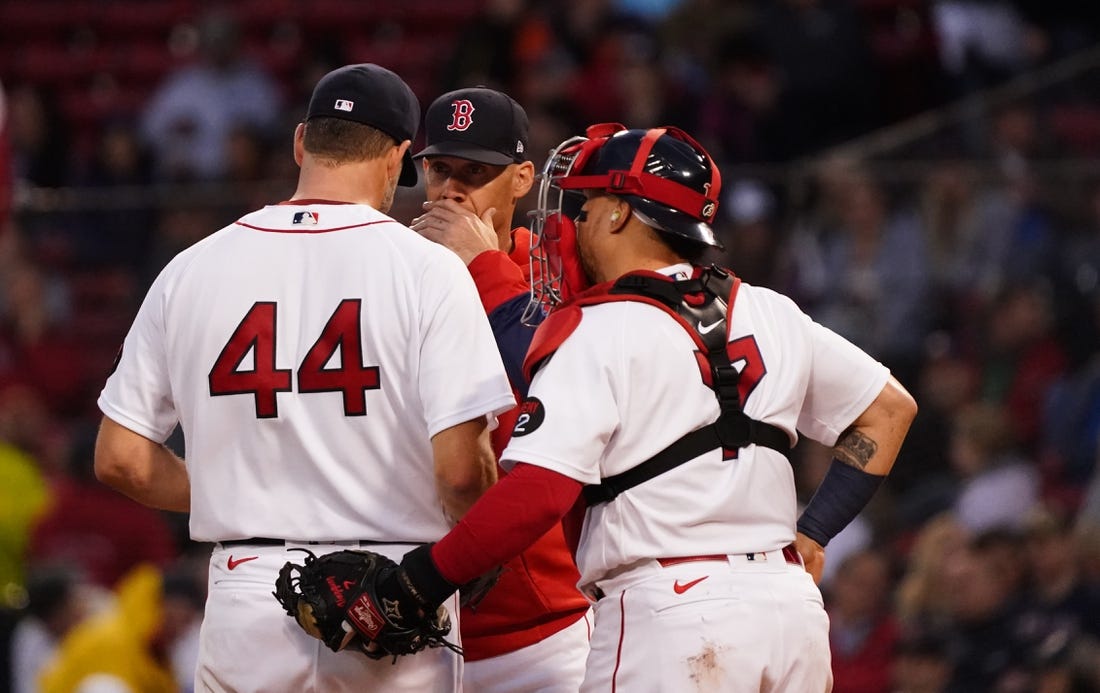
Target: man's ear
(619, 216)
(395, 159)
(523, 180)
(299, 143)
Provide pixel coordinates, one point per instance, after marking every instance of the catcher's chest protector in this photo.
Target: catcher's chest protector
(701, 305)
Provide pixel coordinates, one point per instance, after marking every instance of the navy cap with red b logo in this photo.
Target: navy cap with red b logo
(478, 124)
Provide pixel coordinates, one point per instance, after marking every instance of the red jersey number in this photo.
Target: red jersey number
(256, 333)
(744, 354)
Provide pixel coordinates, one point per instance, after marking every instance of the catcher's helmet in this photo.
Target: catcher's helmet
(665, 175)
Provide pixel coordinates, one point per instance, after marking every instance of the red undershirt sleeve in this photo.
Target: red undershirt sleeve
(511, 516)
(497, 278)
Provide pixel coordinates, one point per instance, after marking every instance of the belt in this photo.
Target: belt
(268, 541)
(789, 554)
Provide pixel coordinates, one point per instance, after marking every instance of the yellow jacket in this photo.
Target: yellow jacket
(117, 642)
(23, 498)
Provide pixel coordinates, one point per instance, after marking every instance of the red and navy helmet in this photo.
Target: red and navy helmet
(666, 177)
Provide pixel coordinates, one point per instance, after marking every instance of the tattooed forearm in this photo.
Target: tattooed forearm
(855, 449)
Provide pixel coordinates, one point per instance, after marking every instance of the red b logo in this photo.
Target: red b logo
(463, 116)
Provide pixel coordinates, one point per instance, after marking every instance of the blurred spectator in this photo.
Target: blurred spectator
(821, 51)
(23, 497)
(1077, 278)
(95, 528)
(57, 600)
(248, 178)
(998, 487)
(494, 46)
(741, 115)
(903, 42)
(922, 477)
(1071, 429)
(921, 664)
(749, 232)
(121, 646)
(922, 593)
(117, 234)
(39, 137)
(874, 274)
(1022, 357)
(981, 42)
(179, 226)
(990, 636)
(1055, 565)
(36, 347)
(950, 217)
(27, 425)
(618, 77)
(862, 632)
(1015, 240)
(188, 120)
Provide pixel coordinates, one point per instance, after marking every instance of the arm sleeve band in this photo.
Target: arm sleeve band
(843, 493)
(511, 516)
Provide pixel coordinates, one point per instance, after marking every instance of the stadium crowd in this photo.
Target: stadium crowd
(974, 276)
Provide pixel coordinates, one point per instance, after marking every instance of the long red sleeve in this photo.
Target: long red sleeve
(515, 512)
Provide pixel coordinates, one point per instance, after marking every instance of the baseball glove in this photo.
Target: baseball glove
(355, 599)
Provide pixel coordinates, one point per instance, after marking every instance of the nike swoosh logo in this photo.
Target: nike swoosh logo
(680, 589)
(707, 328)
(233, 564)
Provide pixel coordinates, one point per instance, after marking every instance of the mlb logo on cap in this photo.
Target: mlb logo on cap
(344, 105)
(308, 218)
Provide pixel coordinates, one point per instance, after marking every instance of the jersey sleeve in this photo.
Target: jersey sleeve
(844, 381)
(138, 393)
(505, 294)
(513, 338)
(461, 373)
(498, 278)
(571, 411)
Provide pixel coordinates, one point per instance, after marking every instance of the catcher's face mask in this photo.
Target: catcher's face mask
(556, 273)
(646, 168)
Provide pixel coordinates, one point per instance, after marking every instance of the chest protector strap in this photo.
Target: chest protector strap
(702, 305)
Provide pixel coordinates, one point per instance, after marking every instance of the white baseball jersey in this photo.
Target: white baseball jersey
(310, 351)
(626, 384)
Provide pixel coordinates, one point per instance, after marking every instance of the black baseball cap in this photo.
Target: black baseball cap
(372, 95)
(478, 124)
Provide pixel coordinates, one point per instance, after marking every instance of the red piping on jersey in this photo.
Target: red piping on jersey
(315, 201)
(622, 637)
(305, 230)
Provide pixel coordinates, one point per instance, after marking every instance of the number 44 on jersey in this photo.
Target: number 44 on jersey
(256, 334)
